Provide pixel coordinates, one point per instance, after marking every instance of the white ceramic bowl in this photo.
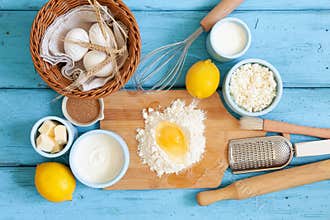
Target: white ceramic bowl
(211, 41)
(123, 170)
(68, 117)
(231, 102)
(71, 130)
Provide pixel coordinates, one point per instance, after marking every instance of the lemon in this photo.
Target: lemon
(54, 181)
(202, 79)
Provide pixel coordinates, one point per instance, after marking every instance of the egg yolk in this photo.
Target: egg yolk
(171, 138)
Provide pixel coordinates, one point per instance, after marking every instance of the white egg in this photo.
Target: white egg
(96, 36)
(73, 50)
(93, 58)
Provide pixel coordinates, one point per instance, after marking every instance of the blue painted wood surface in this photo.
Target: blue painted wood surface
(292, 35)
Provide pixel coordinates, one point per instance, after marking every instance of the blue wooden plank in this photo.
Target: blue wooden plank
(155, 5)
(19, 200)
(299, 48)
(18, 114)
(292, 35)
(21, 108)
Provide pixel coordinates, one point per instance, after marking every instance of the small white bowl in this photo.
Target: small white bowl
(68, 117)
(231, 102)
(72, 134)
(123, 170)
(211, 41)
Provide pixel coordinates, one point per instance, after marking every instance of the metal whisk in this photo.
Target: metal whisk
(167, 61)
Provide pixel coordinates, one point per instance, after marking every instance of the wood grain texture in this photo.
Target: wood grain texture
(298, 48)
(122, 113)
(293, 35)
(172, 5)
(268, 183)
(298, 106)
(287, 128)
(20, 200)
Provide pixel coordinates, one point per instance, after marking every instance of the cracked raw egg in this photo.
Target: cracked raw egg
(171, 138)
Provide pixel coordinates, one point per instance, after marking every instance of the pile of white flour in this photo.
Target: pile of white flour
(189, 119)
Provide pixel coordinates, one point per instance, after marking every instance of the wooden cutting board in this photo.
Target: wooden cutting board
(123, 116)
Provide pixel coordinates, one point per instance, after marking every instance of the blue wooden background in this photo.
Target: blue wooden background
(292, 35)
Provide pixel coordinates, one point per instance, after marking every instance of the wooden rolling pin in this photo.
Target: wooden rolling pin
(267, 183)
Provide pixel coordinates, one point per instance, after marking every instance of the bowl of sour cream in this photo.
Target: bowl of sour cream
(99, 158)
(228, 39)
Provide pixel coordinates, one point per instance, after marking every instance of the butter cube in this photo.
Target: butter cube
(47, 128)
(46, 143)
(60, 135)
(57, 149)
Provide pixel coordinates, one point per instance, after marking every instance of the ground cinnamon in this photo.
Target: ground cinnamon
(83, 111)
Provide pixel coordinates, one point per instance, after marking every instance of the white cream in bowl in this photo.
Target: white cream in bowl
(99, 158)
(229, 39)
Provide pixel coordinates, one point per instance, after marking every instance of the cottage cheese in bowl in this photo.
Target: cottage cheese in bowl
(252, 87)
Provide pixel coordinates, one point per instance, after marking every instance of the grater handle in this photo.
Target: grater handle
(267, 183)
(224, 8)
(312, 148)
(283, 127)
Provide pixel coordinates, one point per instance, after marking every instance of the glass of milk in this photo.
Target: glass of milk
(229, 39)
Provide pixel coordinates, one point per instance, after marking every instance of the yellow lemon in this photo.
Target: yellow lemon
(54, 181)
(202, 79)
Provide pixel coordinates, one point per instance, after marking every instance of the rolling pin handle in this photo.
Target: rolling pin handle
(208, 197)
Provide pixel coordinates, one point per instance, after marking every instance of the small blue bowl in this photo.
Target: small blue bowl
(123, 170)
(72, 134)
(211, 40)
(232, 104)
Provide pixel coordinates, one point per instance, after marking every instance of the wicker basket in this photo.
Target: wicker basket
(52, 74)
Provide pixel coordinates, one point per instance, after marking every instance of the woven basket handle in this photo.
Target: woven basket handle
(224, 8)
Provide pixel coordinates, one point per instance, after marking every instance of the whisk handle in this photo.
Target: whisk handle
(267, 183)
(224, 8)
